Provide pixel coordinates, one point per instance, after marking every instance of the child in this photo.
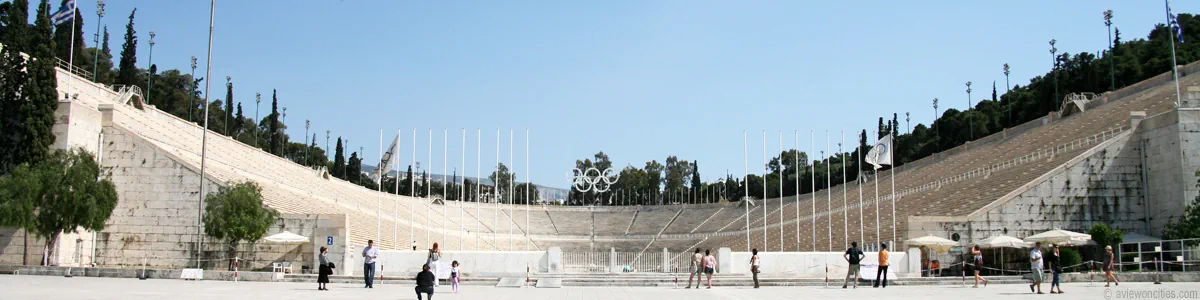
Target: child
(454, 275)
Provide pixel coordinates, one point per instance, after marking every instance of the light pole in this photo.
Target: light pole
(96, 59)
(228, 103)
(212, 12)
(937, 133)
(1112, 73)
(283, 142)
(192, 104)
(1054, 69)
(970, 123)
(1006, 90)
(907, 123)
(327, 143)
(149, 65)
(306, 124)
(257, 101)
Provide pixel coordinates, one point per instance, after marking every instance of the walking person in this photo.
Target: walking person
(1109, 259)
(882, 271)
(414, 245)
(710, 267)
(977, 254)
(1035, 260)
(370, 253)
(1055, 269)
(754, 261)
(854, 257)
(425, 281)
(435, 255)
(697, 269)
(324, 269)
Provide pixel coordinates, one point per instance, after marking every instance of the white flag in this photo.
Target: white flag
(389, 158)
(882, 153)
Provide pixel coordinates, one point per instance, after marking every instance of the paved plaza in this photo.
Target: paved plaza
(52, 287)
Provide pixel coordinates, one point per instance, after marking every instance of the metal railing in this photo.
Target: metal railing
(73, 69)
(1164, 256)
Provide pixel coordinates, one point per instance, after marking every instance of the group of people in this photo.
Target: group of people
(1038, 261)
(426, 279)
(854, 257)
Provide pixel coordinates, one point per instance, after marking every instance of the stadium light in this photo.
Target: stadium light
(1112, 73)
(1054, 68)
(970, 119)
(192, 104)
(938, 132)
(96, 59)
(149, 67)
(257, 102)
(1006, 90)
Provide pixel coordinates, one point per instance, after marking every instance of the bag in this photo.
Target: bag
(332, 266)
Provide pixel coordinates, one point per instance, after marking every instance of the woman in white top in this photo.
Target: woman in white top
(435, 255)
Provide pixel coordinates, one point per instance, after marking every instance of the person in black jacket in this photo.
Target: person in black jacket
(324, 269)
(425, 282)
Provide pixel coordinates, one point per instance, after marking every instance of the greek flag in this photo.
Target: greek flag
(66, 13)
(1173, 23)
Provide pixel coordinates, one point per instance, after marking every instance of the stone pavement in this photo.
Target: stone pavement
(19, 287)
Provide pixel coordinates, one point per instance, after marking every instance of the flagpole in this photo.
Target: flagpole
(1174, 65)
(212, 12)
(478, 186)
(496, 196)
(828, 193)
(845, 203)
(862, 236)
(892, 168)
(428, 184)
(746, 185)
(445, 183)
(796, 138)
(812, 142)
(764, 202)
(875, 180)
(528, 189)
(396, 208)
(71, 58)
(781, 190)
(379, 194)
(412, 191)
(511, 184)
(462, 191)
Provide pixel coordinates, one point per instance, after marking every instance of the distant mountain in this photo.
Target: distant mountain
(545, 192)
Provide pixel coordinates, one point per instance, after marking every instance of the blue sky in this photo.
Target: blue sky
(639, 80)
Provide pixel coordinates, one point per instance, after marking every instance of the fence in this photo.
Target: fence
(1165, 255)
(626, 262)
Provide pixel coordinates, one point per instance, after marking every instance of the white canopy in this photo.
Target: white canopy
(1002, 241)
(286, 237)
(932, 242)
(1059, 236)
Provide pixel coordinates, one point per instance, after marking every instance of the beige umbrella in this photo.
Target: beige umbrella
(1002, 241)
(1061, 237)
(933, 243)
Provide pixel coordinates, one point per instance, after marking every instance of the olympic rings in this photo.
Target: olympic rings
(593, 179)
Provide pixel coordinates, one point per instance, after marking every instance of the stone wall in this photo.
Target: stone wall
(13, 245)
(1101, 185)
(1172, 158)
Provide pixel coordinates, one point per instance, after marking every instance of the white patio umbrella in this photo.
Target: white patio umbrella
(933, 243)
(286, 237)
(1002, 241)
(1061, 237)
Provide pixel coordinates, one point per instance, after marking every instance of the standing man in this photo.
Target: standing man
(1035, 259)
(854, 257)
(881, 273)
(369, 255)
(697, 269)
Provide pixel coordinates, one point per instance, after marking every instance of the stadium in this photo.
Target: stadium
(1126, 158)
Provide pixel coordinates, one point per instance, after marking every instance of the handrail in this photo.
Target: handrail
(73, 69)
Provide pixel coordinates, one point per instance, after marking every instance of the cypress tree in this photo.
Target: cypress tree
(274, 125)
(15, 30)
(229, 108)
(37, 112)
(353, 168)
(410, 180)
(339, 161)
(238, 120)
(127, 72)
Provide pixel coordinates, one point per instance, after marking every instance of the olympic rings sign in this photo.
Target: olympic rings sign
(593, 179)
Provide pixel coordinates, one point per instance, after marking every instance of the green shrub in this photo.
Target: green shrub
(1070, 257)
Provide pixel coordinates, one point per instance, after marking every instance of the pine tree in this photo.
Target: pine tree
(273, 124)
(127, 72)
(62, 38)
(339, 161)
